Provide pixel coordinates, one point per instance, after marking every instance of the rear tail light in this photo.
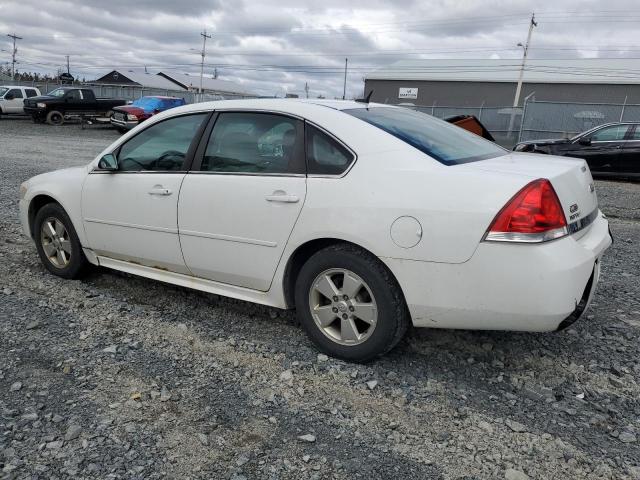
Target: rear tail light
(533, 215)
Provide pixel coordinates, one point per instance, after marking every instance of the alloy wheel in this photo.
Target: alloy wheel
(343, 306)
(56, 243)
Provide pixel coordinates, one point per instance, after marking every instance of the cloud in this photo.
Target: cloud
(273, 47)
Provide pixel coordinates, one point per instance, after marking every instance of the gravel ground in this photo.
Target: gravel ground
(121, 377)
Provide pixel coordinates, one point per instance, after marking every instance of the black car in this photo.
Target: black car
(611, 150)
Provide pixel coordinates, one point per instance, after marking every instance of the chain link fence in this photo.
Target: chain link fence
(496, 119)
(133, 92)
(508, 125)
(539, 119)
(564, 120)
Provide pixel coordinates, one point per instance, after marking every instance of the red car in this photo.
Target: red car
(128, 116)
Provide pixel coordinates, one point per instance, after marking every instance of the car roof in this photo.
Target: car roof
(294, 106)
(17, 86)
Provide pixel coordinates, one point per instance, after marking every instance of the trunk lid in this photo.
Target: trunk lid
(570, 177)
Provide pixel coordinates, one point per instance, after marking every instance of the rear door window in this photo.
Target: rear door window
(325, 155)
(30, 92)
(256, 143)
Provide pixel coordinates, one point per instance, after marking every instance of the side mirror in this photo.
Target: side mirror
(108, 162)
(585, 141)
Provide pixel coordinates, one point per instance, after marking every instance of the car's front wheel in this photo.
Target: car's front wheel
(54, 117)
(57, 242)
(349, 304)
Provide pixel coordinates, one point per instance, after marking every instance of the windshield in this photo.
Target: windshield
(3, 90)
(58, 92)
(447, 143)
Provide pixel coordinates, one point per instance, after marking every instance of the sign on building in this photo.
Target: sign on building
(408, 93)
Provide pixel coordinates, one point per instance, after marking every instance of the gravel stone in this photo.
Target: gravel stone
(455, 404)
(512, 474)
(627, 437)
(515, 426)
(73, 432)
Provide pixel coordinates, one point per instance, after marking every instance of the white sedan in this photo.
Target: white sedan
(366, 218)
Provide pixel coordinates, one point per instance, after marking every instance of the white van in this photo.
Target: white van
(12, 98)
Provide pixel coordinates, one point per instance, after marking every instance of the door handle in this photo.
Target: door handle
(284, 198)
(160, 191)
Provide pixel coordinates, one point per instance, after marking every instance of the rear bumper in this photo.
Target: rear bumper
(507, 286)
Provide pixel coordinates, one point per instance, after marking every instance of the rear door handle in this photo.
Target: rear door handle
(160, 191)
(284, 198)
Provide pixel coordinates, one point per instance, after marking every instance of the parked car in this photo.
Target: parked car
(64, 102)
(128, 116)
(12, 98)
(611, 150)
(365, 218)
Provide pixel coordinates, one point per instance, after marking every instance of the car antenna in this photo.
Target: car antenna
(366, 99)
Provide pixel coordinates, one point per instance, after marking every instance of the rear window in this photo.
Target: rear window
(447, 143)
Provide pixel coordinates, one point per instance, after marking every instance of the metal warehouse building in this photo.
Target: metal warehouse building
(492, 82)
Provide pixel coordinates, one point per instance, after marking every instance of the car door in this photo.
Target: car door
(601, 148)
(73, 101)
(629, 162)
(14, 101)
(243, 197)
(131, 214)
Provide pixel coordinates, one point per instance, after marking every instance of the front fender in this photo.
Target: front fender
(61, 186)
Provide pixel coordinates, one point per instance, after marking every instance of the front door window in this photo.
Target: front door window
(161, 147)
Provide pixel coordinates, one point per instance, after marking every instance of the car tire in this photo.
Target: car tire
(354, 337)
(57, 242)
(54, 117)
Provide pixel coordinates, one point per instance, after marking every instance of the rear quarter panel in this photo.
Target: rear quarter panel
(454, 207)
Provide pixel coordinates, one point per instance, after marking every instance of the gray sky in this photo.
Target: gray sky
(275, 46)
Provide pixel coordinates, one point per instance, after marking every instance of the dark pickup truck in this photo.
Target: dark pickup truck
(66, 102)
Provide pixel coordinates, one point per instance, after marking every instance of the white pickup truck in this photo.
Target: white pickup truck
(12, 98)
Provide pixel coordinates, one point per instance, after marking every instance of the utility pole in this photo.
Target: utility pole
(68, 69)
(344, 88)
(525, 47)
(533, 23)
(306, 88)
(203, 53)
(13, 54)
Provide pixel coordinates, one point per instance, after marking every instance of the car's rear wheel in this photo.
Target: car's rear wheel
(57, 242)
(54, 117)
(349, 303)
